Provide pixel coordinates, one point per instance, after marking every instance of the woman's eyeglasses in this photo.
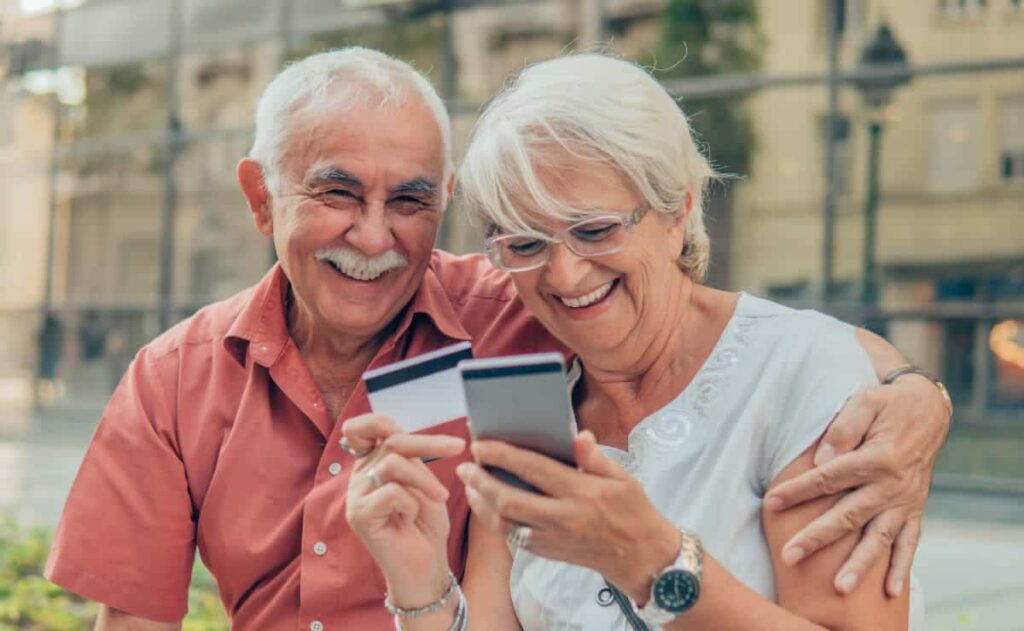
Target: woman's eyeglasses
(595, 236)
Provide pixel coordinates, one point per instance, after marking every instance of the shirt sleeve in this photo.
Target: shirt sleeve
(825, 364)
(126, 537)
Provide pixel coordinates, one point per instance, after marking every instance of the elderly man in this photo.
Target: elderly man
(224, 433)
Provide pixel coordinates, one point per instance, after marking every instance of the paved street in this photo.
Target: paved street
(971, 560)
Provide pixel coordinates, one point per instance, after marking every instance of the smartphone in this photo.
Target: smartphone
(522, 400)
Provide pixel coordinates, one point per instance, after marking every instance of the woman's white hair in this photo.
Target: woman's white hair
(352, 75)
(595, 109)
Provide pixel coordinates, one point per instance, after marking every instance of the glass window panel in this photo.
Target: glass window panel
(953, 146)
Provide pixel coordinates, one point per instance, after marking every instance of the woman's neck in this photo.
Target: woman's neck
(620, 389)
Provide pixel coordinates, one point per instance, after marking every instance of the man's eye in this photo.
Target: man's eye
(594, 232)
(407, 205)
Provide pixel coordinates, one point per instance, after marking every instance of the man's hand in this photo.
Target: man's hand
(111, 619)
(883, 445)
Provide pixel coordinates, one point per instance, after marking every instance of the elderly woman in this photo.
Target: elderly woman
(692, 402)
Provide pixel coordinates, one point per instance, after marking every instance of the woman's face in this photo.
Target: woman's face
(611, 303)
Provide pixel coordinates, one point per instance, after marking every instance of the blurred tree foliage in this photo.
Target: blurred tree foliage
(28, 602)
(709, 37)
(415, 39)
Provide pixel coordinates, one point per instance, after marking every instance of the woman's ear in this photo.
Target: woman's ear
(679, 222)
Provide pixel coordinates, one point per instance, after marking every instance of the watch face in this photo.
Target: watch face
(676, 591)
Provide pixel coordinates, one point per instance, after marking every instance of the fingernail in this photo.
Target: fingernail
(773, 502)
(897, 587)
(463, 471)
(792, 555)
(847, 582)
(825, 453)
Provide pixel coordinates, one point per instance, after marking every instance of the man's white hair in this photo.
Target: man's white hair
(353, 76)
(597, 110)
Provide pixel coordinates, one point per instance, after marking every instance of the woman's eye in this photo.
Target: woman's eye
(594, 232)
(526, 247)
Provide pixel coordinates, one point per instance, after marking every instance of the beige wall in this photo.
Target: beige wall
(778, 226)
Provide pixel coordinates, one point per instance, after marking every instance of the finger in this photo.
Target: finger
(876, 542)
(506, 501)
(363, 432)
(845, 472)
(423, 445)
(849, 425)
(547, 474)
(413, 474)
(591, 459)
(903, 557)
(483, 510)
(384, 503)
(848, 515)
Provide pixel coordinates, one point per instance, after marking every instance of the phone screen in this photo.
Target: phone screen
(523, 401)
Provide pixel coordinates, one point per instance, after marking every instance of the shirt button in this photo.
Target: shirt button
(316, 625)
(319, 548)
(334, 468)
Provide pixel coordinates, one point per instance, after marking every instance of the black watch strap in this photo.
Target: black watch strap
(626, 606)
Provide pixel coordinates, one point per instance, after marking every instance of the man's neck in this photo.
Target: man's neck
(336, 360)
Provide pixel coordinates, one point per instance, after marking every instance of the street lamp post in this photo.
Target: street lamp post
(882, 51)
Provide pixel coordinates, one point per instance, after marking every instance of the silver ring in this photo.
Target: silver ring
(519, 536)
(374, 477)
(344, 444)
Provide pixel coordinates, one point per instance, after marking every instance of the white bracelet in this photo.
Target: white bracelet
(461, 620)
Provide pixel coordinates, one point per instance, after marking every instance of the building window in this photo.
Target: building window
(1011, 154)
(958, 9)
(953, 141)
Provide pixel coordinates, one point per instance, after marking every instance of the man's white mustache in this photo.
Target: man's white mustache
(353, 263)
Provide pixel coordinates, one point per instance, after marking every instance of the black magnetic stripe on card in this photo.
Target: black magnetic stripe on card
(510, 371)
(410, 373)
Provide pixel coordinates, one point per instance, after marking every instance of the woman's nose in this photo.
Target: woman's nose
(565, 269)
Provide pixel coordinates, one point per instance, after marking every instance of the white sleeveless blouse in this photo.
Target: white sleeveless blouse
(766, 393)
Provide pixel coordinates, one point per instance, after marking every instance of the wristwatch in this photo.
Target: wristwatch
(677, 587)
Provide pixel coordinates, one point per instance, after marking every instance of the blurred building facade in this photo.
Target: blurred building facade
(950, 242)
(130, 147)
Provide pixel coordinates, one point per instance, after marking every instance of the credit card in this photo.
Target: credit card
(421, 391)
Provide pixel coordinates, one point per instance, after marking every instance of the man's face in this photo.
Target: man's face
(357, 210)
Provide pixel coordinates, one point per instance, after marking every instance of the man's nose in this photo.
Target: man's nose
(371, 231)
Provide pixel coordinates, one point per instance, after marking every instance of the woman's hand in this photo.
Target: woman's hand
(598, 516)
(396, 505)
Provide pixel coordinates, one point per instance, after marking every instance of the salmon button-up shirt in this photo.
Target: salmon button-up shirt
(218, 438)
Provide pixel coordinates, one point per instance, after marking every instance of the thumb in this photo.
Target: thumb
(590, 458)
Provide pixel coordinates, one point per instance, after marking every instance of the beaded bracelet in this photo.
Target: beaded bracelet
(460, 622)
(453, 587)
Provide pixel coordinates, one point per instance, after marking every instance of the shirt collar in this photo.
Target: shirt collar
(262, 327)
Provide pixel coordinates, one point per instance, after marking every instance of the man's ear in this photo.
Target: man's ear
(450, 186)
(254, 186)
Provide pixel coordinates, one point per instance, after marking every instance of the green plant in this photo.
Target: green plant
(709, 37)
(28, 602)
